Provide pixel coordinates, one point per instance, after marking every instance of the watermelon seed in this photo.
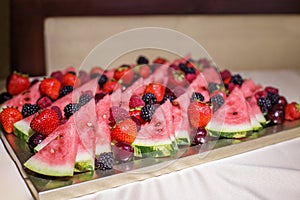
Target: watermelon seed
(89, 124)
(104, 116)
(234, 113)
(157, 124)
(52, 151)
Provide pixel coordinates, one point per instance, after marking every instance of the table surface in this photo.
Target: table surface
(272, 172)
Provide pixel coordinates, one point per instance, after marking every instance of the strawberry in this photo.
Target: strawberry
(199, 114)
(136, 113)
(125, 131)
(110, 86)
(135, 101)
(177, 78)
(8, 117)
(17, 83)
(45, 122)
(50, 87)
(292, 111)
(71, 79)
(157, 89)
(159, 60)
(124, 73)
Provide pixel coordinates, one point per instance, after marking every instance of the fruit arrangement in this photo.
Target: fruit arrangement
(83, 121)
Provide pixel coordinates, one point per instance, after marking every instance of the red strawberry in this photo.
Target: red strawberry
(125, 131)
(110, 86)
(292, 111)
(177, 78)
(45, 122)
(135, 101)
(50, 87)
(8, 117)
(159, 60)
(136, 113)
(71, 79)
(17, 83)
(124, 73)
(157, 89)
(199, 114)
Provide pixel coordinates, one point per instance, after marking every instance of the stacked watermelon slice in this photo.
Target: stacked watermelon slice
(143, 109)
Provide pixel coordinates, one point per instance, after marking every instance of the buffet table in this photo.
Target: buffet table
(271, 172)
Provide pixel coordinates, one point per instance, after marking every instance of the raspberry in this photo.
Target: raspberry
(44, 102)
(135, 101)
(117, 114)
(147, 112)
(29, 109)
(105, 161)
(196, 96)
(149, 98)
(70, 109)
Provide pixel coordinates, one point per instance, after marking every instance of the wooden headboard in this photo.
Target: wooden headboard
(28, 16)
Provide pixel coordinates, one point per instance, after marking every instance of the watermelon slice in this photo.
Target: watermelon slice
(181, 122)
(231, 120)
(58, 157)
(256, 110)
(154, 139)
(102, 128)
(29, 96)
(256, 126)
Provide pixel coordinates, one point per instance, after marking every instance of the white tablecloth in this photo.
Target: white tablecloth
(272, 172)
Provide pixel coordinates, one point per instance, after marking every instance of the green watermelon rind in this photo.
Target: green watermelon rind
(43, 168)
(22, 130)
(84, 162)
(155, 150)
(234, 135)
(182, 138)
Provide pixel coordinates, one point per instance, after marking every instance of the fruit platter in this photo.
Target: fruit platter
(78, 132)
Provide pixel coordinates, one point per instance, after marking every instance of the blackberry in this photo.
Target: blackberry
(4, 96)
(84, 99)
(186, 69)
(149, 98)
(166, 97)
(29, 109)
(264, 104)
(65, 90)
(70, 109)
(274, 98)
(105, 161)
(102, 80)
(147, 112)
(212, 87)
(142, 60)
(216, 101)
(183, 67)
(196, 96)
(237, 79)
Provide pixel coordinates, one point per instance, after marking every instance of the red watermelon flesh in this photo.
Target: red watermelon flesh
(29, 96)
(211, 74)
(256, 126)
(58, 157)
(102, 128)
(249, 88)
(167, 108)
(232, 119)
(181, 122)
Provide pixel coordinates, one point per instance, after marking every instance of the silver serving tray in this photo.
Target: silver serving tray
(43, 187)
